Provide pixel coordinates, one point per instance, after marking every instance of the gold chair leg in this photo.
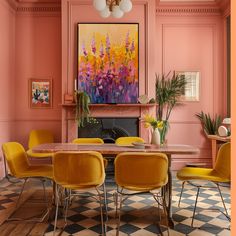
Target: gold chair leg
(101, 212)
(181, 193)
(105, 200)
(119, 214)
(223, 202)
(17, 203)
(56, 213)
(163, 203)
(22, 189)
(195, 205)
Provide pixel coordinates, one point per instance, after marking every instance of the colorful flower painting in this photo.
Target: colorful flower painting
(108, 62)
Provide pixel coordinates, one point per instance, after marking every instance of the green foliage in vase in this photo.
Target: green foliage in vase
(210, 125)
(169, 89)
(82, 112)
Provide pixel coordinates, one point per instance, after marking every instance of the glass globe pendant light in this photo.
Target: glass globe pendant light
(116, 8)
(117, 12)
(99, 4)
(125, 5)
(105, 12)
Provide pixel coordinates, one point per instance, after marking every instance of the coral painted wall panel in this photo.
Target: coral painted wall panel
(7, 63)
(38, 55)
(193, 44)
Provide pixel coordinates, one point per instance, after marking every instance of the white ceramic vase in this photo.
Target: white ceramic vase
(156, 137)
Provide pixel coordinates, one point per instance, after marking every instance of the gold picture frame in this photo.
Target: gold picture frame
(40, 93)
(192, 87)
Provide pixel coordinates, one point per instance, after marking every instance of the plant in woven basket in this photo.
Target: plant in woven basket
(210, 125)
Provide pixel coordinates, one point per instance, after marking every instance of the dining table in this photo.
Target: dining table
(111, 150)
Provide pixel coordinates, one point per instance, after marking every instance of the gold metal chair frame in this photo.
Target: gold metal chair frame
(157, 197)
(44, 214)
(16, 173)
(141, 173)
(68, 197)
(84, 171)
(198, 191)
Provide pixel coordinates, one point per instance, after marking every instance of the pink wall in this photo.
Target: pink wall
(180, 38)
(193, 43)
(37, 42)
(7, 79)
(30, 46)
(38, 55)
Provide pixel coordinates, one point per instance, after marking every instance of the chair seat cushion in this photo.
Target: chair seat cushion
(37, 171)
(192, 173)
(38, 155)
(142, 189)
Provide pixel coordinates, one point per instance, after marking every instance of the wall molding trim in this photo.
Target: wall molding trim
(36, 120)
(188, 10)
(25, 7)
(38, 9)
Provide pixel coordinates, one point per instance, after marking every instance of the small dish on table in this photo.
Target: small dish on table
(140, 145)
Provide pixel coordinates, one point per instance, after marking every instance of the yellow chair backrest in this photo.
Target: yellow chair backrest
(223, 162)
(37, 137)
(16, 158)
(88, 140)
(128, 140)
(78, 168)
(141, 170)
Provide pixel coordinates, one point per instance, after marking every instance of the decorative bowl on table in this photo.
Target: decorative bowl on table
(140, 145)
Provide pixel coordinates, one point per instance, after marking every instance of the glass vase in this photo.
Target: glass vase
(163, 132)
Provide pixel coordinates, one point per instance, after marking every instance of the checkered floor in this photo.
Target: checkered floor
(139, 213)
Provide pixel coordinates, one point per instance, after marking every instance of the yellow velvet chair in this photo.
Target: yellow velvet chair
(19, 167)
(91, 141)
(128, 140)
(217, 175)
(37, 137)
(137, 173)
(88, 140)
(78, 171)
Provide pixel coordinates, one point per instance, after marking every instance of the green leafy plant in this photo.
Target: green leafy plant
(82, 112)
(210, 125)
(169, 89)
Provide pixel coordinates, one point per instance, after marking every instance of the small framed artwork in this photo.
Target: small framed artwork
(40, 93)
(192, 88)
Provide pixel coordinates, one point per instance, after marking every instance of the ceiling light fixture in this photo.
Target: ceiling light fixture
(116, 8)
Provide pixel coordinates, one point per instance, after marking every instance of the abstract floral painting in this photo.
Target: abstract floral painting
(108, 56)
(40, 93)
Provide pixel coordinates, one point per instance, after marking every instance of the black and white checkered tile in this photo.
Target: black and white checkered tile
(139, 214)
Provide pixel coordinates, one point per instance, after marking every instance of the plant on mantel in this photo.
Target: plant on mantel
(169, 90)
(82, 112)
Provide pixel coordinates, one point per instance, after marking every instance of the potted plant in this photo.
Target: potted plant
(169, 89)
(82, 112)
(210, 125)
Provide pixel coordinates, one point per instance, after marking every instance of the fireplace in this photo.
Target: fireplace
(110, 128)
